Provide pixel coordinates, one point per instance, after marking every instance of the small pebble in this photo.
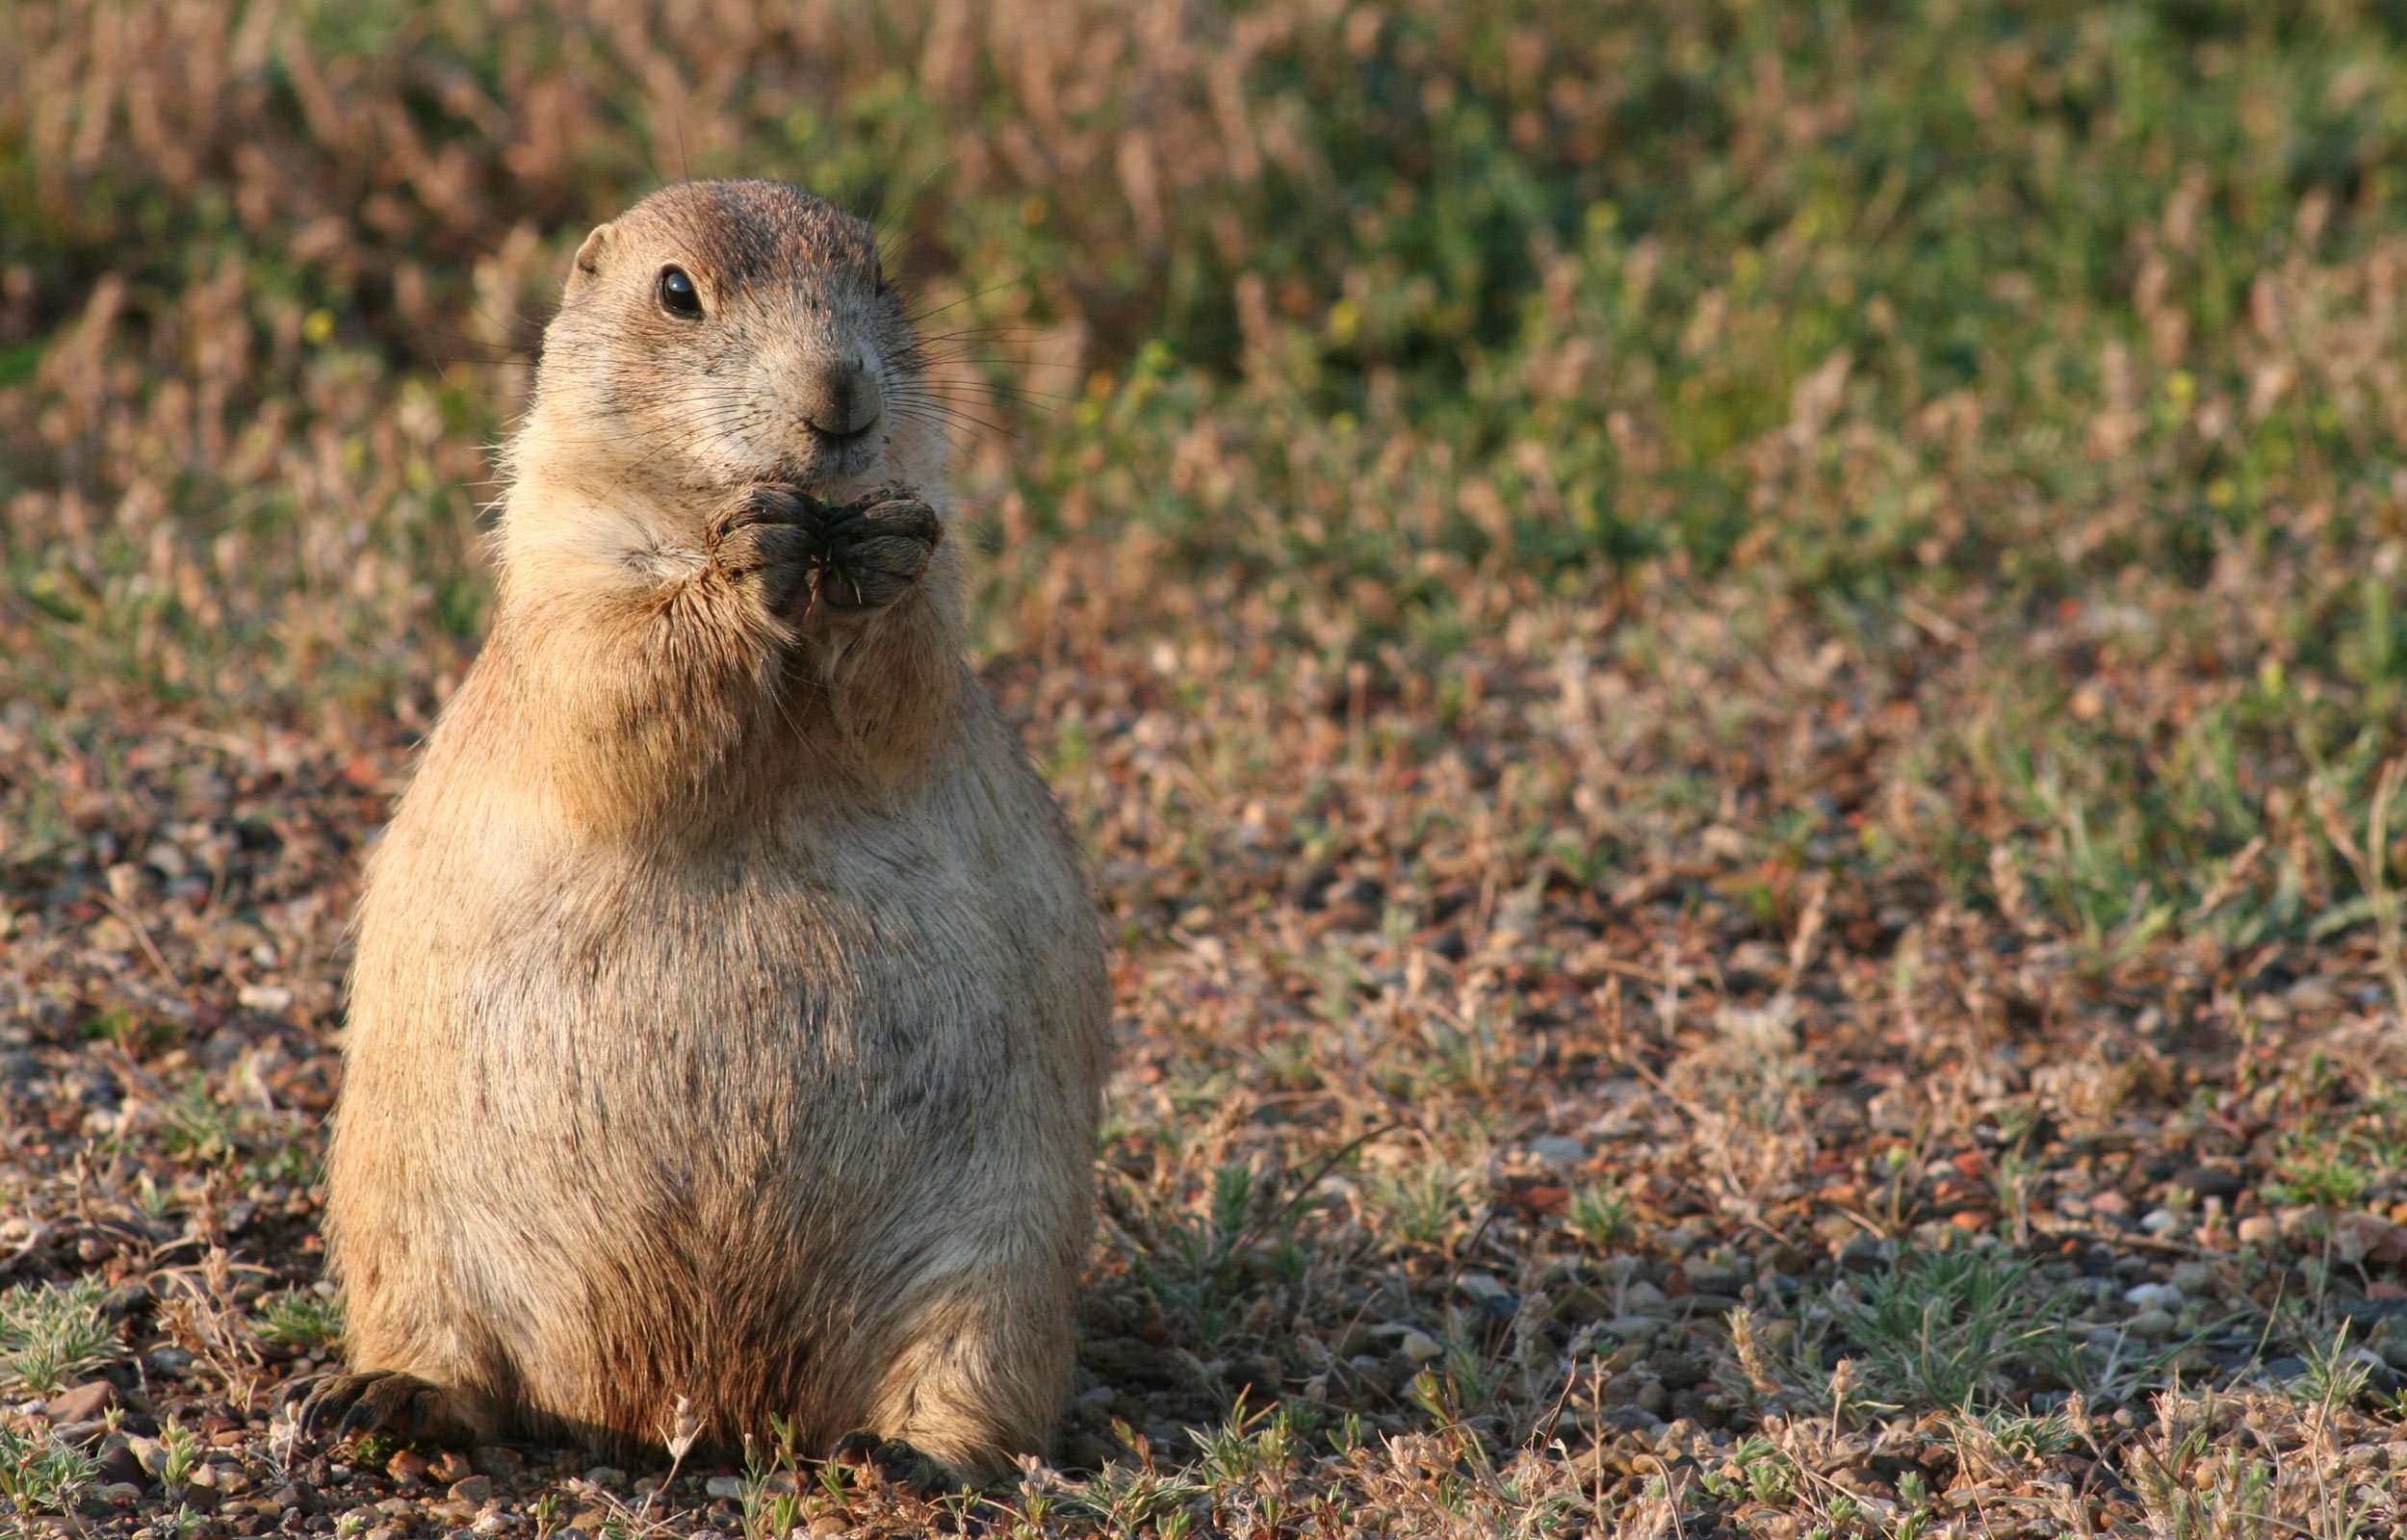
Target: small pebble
(1419, 1347)
(2153, 1295)
(1558, 1152)
(724, 1486)
(494, 1460)
(2160, 1221)
(606, 1475)
(2151, 1324)
(2258, 1229)
(1482, 1288)
(83, 1404)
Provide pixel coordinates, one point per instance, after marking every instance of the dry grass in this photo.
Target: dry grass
(1734, 675)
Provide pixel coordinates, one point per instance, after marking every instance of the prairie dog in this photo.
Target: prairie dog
(729, 1015)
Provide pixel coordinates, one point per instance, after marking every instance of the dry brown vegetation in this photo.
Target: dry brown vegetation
(1734, 675)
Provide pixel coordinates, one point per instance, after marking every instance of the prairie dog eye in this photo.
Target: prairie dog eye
(677, 294)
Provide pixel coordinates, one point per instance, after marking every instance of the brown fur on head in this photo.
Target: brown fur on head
(786, 357)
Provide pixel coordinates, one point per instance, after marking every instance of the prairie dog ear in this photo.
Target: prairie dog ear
(588, 261)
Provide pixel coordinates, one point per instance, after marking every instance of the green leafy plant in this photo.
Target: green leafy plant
(53, 1335)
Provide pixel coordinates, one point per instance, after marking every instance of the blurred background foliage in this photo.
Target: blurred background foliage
(2052, 350)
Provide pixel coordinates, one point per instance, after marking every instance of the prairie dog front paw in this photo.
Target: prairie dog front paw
(767, 536)
(873, 550)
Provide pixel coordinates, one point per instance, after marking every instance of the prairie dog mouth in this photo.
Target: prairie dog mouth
(830, 473)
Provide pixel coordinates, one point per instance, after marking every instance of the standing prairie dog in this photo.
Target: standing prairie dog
(728, 1021)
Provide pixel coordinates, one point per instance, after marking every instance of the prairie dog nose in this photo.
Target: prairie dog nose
(842, 400)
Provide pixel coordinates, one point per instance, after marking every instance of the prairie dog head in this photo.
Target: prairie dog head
(724, 333)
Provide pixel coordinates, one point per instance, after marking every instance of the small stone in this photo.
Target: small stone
(1866, 1254)
(121, 1493)
(2160, 1221)
(606, 1475)
(489, 1524)
(1643, 1298)
(827, 1524)
(450, 1466)
(2211, 1181)
(1636, 1328)
(125, 1298)
(1482, 1287)
(204, 1475)
(1419, 1347)
(2258, 1229)
(724, 1486)
(2153, 1295)
(1558, 1152)
(2151, 1324)
(407, 1467)
(290, 1495)
(169, 1362)
(384, 1531)
(473, 1489)
(152, 1454)
(83, 1404)
(1701, 1303)
(118, 1460)
(1653, 1399)
(2192, 1277)
(1576, 1302)
(496, 1461)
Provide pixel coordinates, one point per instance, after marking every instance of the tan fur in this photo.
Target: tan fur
(729, 1013)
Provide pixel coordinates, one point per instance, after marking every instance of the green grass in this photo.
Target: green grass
(1948, 1330)
(53, 1336)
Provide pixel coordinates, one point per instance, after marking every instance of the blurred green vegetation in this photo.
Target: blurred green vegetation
(2063, 339)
